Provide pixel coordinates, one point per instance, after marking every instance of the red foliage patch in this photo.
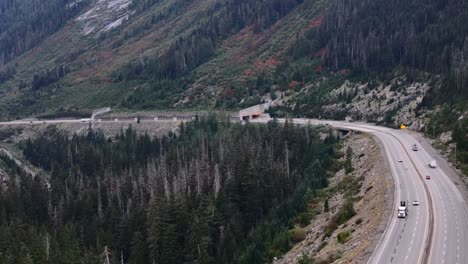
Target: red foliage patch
(259, 66)
(229, 92)
(249, 72)
(344, 71)
(268, 64)
(244, 34)
(318, 69)
(320, 53)
(106, 79)
(293, 84)
(315, 22)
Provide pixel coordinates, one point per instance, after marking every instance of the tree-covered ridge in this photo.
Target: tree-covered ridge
(188, 52)
(216, 193)
(379, 35)
(24, 23)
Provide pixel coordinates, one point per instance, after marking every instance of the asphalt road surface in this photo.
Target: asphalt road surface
(436, 231)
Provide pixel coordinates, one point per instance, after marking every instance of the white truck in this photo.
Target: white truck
(432, 164)
(403, 209)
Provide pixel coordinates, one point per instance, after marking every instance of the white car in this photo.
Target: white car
(415, 203)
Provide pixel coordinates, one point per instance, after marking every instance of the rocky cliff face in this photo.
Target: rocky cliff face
(397, 101)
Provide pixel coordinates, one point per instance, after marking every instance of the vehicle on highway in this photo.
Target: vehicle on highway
(30, 122)
(415, 203)
(402, 210)
(428, 177)
(415, 147)
(432, 164)
(400, 160)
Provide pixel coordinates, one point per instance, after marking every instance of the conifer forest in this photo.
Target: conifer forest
(216, 192)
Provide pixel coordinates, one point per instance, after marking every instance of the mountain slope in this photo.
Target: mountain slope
(378, 35)
(230, 54)
(24, 24)
(173, 44)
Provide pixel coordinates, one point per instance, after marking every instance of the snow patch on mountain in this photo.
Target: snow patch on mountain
(104, 15)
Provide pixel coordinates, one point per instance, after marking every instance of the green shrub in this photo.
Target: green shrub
(345, 213)
(281, 242)
(306, 260)
(359, 221)
(303, 219)
(343, 237)
(348, 163)
(297, 235)
(326, 206)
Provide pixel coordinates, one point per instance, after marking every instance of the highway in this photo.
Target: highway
(436, 231)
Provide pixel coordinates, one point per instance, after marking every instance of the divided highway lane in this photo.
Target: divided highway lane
(450, 213)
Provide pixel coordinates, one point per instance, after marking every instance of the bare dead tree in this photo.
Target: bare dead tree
(105, 256)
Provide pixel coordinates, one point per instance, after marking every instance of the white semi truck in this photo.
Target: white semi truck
(403, 209)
